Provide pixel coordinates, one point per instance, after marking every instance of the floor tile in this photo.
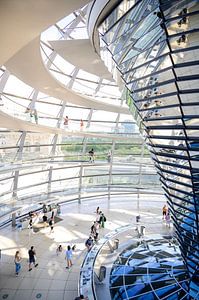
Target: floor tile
(69, 295)
(47, 274)
(43, 284)
(39, 294)
(58, 295)
(71, 285)
(3, 280)
(7, 294)
(23, 295)
(28, 283)
(57, 285)
(61, 275)
(35, 273)
(13, 283)
(73, 276)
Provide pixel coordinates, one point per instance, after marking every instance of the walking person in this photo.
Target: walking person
(30, 223)
(66, 121)
(109, 156)
(102, 220)
(30, 226)
(35, 116)
(58, 209)
(89, 243)
(51, 225)
(81, 124)
(168, 219)
(27, 112)
(91, 155)
(59, 250)
(96, 230)
(32, 256)
(68, 257)
(93, 229)
(164, 211)
(53, 214)
(17, 261)
(45, 220)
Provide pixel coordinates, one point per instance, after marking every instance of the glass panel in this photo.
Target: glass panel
(64, 173)
(183, 23)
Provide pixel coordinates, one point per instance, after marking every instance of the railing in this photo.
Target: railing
(87, 276)
(34, 202)
(102, 157)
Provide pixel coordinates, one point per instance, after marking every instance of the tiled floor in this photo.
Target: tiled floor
(51, 280)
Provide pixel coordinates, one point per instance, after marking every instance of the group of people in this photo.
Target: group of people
(31, 260)
(94, 231)
(66, 122)
(93, 237)
(34, 219)
(91, 154)
(68, 254)
(32, 257)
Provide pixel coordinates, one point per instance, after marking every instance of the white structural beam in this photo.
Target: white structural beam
(27, 65)
(80, 53)
(24, 20)
(12, 123)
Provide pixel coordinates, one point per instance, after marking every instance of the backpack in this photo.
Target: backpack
(88, 242)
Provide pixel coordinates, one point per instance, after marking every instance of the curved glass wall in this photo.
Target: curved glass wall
(44, 141)
(154, 45)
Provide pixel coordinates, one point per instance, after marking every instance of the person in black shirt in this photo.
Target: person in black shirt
(51, 225)
(30, 223)
(32, 254)
(89, 243)
(45, 220)
(44, 209)
(91, 155)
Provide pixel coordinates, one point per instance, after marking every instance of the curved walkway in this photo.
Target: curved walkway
(12, 123)
(27, 65)
(88, 61)
(20, 48)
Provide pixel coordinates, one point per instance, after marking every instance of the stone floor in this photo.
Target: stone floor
(51, 280)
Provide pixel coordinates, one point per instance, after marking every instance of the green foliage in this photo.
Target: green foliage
(71, 148)
(101, 150)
